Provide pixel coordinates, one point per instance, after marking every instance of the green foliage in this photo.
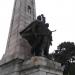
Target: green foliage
(65, 54)
(72, 69)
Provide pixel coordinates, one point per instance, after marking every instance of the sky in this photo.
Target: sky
(60, 14)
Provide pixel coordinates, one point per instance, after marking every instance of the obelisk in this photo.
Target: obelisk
(23, 14)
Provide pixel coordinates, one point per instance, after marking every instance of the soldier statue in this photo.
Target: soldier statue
(39, 36)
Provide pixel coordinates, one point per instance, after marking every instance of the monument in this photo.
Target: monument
(28, 44)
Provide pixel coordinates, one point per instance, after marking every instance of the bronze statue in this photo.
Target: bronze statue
(41, 18)
(38, 36)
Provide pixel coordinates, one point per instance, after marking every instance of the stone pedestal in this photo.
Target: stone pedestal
(31, 66)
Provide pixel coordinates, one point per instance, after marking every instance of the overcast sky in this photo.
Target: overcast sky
(60, 14)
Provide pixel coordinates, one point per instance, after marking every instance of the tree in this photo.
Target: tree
(64, 55)
(65, 52)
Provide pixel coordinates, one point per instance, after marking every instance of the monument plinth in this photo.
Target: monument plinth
(31, 66)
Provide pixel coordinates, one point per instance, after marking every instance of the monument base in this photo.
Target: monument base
(32, 66)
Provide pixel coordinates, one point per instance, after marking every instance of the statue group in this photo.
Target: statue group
(39, 36)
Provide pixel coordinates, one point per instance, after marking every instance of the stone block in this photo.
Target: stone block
(30, 66)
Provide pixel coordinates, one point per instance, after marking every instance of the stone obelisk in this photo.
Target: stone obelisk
(23, 14)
